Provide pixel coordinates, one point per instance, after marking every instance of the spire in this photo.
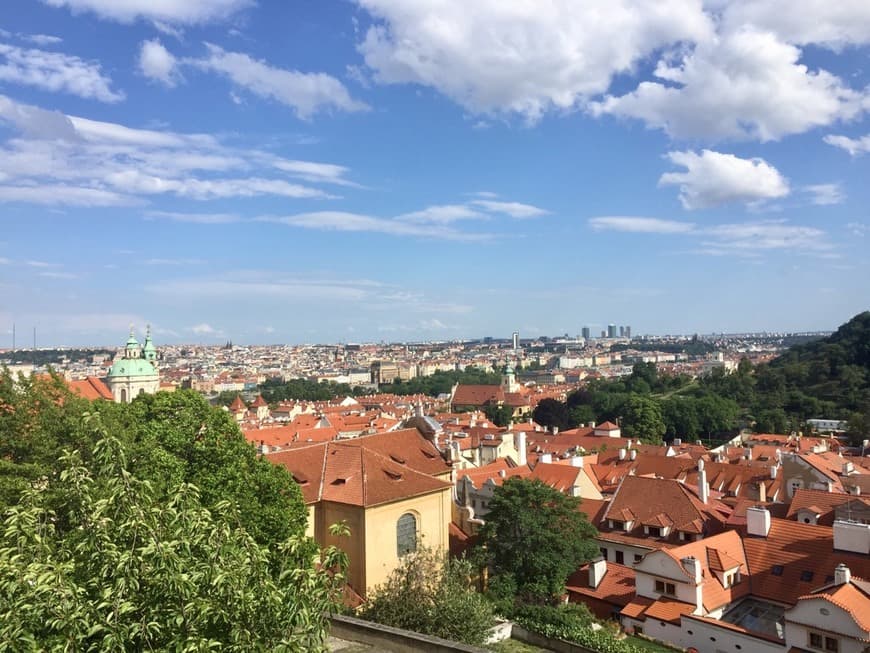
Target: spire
(131, 350)
(149, 351)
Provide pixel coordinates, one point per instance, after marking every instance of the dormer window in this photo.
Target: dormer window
(668, 589)
(654, 531)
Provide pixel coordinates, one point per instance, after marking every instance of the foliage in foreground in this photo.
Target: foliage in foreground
(431, 594)
(536, 537)
(572, 623)
(95, 559)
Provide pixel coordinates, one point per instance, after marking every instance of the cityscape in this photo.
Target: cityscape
(385, 326)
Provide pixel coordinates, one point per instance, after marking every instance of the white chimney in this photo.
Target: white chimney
(555, 430)
(852, 536)
(848, 468)
(703, 486)
(418, 409)
(632, 454)
(622, 453)
(545, 458)
(774, 471)
(520, 441)
(678, 442)
(778, 455)
(693, 566)
(502, 473)
(597, 569)
(576, 461)
(592, 425)
(842, 575)
(757, 521)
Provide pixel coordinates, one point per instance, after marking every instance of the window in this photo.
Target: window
(822, 642)
(603, 552)
(655, 531)
(807, 575)
(776, 570)
(666, 588)
(406, 534)
(620, 557)
(637, 558)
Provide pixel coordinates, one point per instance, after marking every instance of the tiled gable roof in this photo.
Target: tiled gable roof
(406, 447)
(477, 395)
(90, 388)
(616, 587)
(853, 597)
(820, 503)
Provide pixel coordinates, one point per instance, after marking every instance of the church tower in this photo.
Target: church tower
(509, 380)
(134, 371)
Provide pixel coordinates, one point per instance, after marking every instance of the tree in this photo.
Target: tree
(550, 412)
(537, 536)
(500, 415)
(643, 419)
(115, 565)
(431, 594)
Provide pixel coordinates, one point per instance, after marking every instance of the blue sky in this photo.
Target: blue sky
(319, 171)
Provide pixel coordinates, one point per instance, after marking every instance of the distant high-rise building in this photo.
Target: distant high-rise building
(611, 330)
(603, 333)
(627, 331)
(516, 340)
(587, 333)
(622, 332)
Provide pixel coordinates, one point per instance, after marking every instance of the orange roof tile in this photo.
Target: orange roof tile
(90, 388)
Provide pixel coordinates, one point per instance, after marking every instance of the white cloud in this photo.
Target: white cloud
(854, 146)
(157, 63)
(62, 194)
(195, 218)
(858, 229)
(306, 93)
(203, 329)
(834, 24)
(442, 214)
(43, 40)
(825, 194)
(62, 159)
(50, 274)
(355, 222)
(526, 58)
(168, 11)
(634, 224)
(713, 178)
(513, 209)
(56, 72)
(745, 84)
(730, 239)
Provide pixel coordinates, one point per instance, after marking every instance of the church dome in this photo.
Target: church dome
(132, 367)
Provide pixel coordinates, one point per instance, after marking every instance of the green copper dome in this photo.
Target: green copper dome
(132, 367)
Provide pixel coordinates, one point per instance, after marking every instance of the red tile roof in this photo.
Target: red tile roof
(616, 587)
(90, 388)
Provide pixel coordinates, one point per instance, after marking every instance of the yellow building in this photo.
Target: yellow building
(391, 489)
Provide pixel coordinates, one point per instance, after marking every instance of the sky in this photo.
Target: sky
(319, 171)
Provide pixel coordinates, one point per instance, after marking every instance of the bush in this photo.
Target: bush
(430, 594)
(573, 623)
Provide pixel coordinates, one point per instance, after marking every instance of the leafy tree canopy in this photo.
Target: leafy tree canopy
(537, 536)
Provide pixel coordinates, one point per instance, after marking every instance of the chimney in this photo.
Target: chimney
(762, 491)
(597, 569)
(576, 461)
(703, 486)
(774, 471)
(842, 575)
(622, 453)
(555, 430)
(693, 566)
(747, 453)
(852, 536)
(678, 442)
(520, 441)
(502, 473)
(848, 468)
(545, 458)
(592, 425)
(757, 521)
(418, 409)
(632, 454)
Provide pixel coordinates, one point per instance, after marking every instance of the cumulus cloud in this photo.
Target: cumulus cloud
(203, 329)
(635, 224)
(443, 214)
(167, 11)
(56, 72)
(157, 63)
(742, 85)
(713, 178)
(854, 146)
(497, 56)
(305, 93)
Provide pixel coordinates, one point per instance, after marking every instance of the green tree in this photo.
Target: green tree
(116, 566)
(550, 412)
(643, 419)
(537, 536)
(434, 595)
(500, 415)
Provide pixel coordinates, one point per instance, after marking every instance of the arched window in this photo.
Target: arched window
(406, 534)
(123, 396)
